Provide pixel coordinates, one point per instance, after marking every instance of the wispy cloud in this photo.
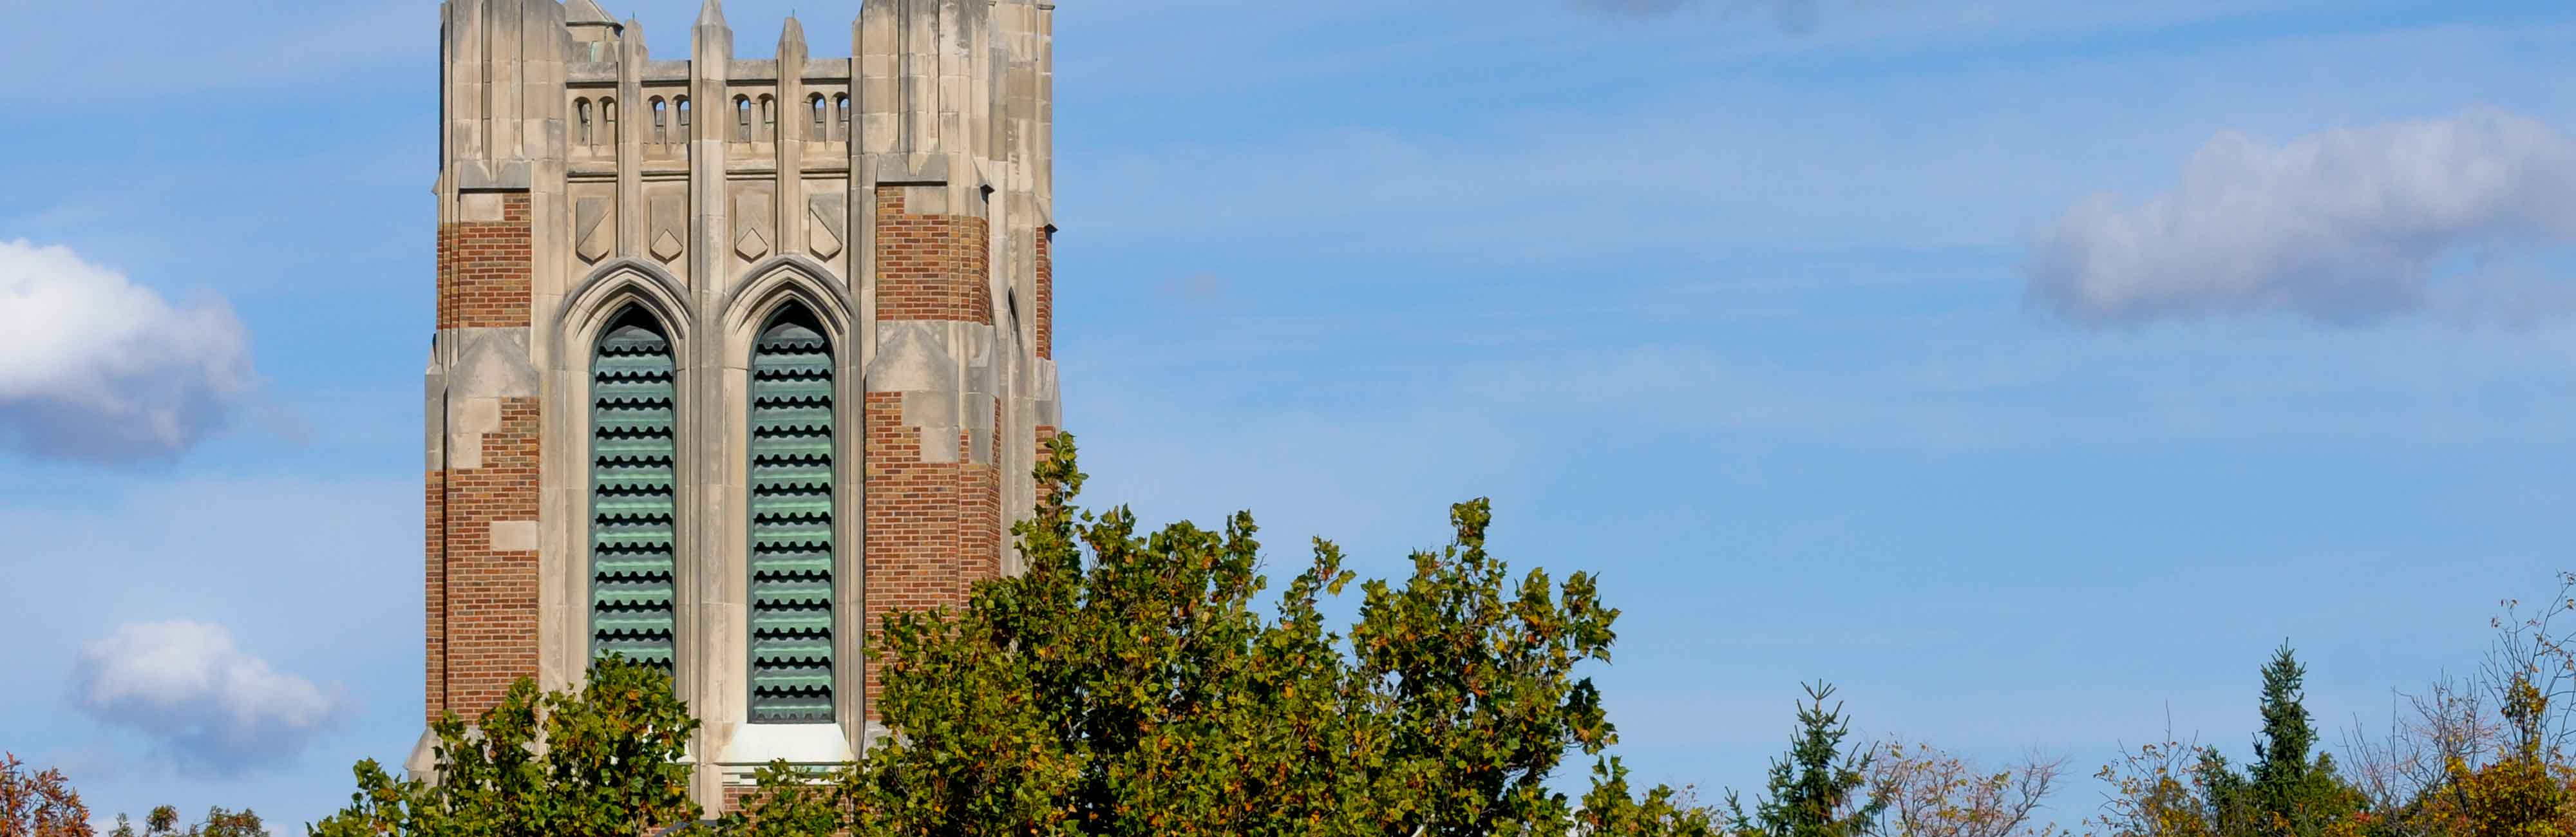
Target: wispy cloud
(2343, 227)
(271, 49)
(1795, 16)
(1630, 7)
(1195, 289)
(1958, 156)
(96, 368)
(200, 699)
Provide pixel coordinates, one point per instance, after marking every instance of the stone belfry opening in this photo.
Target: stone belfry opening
(734, 354)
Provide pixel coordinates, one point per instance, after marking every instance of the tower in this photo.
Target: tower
(733, 355)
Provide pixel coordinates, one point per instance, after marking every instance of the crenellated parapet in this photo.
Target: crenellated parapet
(673, 291)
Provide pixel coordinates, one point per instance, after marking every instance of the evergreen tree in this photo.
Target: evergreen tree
(2286, 792)
(1817, 789)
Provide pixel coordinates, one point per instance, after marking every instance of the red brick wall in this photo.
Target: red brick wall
(483, 270)
(931, 267)
(1046, 293)
(979, 545)
(435, 595)
(912, 520)
(482, 603)
(933, 528)
(490, 623)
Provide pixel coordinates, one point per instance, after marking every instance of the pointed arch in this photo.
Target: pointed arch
(633, 493)
(612, 286)
(791, 277)
(603, 326)
(794, 532)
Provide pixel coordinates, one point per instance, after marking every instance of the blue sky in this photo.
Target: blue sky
(2028, 369)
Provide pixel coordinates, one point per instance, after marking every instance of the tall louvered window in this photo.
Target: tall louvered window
(631, 499)
(791, 522)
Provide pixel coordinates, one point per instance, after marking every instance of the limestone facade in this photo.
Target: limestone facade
(899, 198)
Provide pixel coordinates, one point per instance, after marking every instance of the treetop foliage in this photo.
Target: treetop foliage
(1817, 789)
(610, 765)
(1132, 682)
(40, 803)
(1128, 684)
(219, 822)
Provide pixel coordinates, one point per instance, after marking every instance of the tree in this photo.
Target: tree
(2287, 791)
(39, 804)
(1127, 684)
(2537, 651)
(164, 822)
(1816, 789)
(1931, 793)
(2173, 789)
(609, 767)
(2447, 726)
(1609, 809)
(2524, 791)
(2156, 791)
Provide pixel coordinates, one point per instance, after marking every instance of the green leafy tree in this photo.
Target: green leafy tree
(1610, 809)
(1817, 789)
(610, 767)
(219, 822)
(1128, 684)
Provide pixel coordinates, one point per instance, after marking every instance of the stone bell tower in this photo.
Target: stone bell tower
(734, 355)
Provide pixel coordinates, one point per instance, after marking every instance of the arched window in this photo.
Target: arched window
(741, 119)
(581, 120)
(792, 527)
(608, 117)
(683, 104)
(841, 117)
(661, 122)
(633, 465)
(815, 130)
(768, 119)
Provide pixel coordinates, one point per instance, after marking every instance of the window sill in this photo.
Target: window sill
(756, 745)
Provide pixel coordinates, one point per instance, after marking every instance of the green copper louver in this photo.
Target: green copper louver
(631, 500)
(791, 526)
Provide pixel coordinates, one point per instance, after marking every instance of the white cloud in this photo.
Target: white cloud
(200, 699)
(96, 368)
(2346, 226)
